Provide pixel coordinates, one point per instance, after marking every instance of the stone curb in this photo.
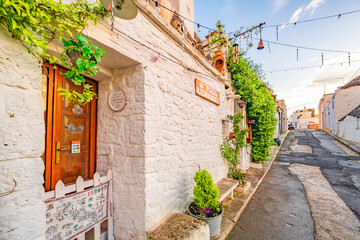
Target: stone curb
(343, 142)
(229, 223)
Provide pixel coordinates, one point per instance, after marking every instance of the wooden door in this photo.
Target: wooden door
(70, 133)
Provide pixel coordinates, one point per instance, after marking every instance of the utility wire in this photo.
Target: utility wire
(307, 48)
(307, 67)
(163, 56)
(313, 19)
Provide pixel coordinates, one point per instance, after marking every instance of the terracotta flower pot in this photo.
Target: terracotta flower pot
(242, 105)
(219, 62)
(231, 135)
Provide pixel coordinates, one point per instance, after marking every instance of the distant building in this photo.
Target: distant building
(324, 120)
(282, 117)
(305, 118)
(349, 125)
(343, 101)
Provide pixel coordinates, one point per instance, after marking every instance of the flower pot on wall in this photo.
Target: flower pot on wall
(242, 105)
(219, 62)
(231, 135)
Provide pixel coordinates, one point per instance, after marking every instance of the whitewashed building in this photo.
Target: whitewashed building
(343, 101)
(349, 125)
(154, 145)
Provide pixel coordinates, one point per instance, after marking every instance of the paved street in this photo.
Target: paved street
(311, 192)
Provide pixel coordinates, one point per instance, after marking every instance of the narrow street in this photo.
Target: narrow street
(311, 192)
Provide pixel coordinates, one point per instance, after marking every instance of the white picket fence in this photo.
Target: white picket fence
(86, 187)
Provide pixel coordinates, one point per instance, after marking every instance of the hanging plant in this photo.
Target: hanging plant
(35, 23)
(81, 57)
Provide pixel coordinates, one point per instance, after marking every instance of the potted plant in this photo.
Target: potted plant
(238, 175)
(206, 204)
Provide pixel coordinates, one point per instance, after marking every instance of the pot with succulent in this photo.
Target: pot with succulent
(206, 204)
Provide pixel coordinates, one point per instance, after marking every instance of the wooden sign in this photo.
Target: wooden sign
(204, 91)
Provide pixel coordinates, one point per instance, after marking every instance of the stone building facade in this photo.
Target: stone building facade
(324, 122)
(154, 145)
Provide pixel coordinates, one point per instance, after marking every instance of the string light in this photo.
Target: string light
(307, 67)
(349, 58)
(309, 48)
(322, 59)
(277, 33)
(157, 8)
(297, 54)
(198, 28)
(314, 19)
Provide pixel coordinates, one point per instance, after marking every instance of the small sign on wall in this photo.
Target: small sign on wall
(75, 146)
(117, 99)
(204, 91)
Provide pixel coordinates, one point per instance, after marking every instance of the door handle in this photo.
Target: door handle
(57, 152)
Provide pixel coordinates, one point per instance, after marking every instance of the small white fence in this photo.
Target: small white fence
(76, 209)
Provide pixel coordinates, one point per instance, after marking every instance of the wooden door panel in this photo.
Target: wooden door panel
(71, 123)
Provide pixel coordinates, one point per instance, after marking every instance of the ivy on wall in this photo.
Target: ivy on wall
(261, 106)
(35, 23)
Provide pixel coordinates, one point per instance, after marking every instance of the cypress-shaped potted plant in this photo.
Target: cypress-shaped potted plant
(206, 204)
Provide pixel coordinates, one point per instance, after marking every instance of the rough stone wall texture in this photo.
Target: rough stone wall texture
(349, 129)
(120, 146)
(22, 213)
(180, 129)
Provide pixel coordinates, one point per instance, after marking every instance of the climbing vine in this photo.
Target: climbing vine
(231, 148)
(35, 23)
(261, 105)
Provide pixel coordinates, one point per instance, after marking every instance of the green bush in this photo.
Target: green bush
(261, 105)
(206, 193)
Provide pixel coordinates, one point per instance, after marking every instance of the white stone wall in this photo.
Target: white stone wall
(120, 147)
(22, 213)
(344, 100)
(349, 129)
(180, 129)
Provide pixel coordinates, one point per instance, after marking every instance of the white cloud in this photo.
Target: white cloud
(313, 5)
(278, 4)
(302, 11)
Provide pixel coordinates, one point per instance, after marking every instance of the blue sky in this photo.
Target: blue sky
(301, 87)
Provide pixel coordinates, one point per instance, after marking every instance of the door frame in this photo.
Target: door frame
(54, 125)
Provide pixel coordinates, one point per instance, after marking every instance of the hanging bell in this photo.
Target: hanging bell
(261, 45)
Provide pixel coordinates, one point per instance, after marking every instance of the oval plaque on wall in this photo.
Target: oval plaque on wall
(117, 99)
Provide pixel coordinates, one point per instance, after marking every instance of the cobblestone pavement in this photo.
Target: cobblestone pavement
(283, 209)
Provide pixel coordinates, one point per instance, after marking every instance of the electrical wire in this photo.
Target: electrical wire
(307, 48)
(307, 67)
(163, 56)
(313, 19)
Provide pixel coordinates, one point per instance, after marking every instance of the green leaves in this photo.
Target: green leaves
(205, 192)
(37, 22)
(231, 148)
(261, 107)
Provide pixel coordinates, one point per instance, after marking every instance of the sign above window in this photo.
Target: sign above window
(204, 91)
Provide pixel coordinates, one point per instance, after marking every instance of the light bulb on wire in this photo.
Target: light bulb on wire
(157, 8)
(198, 28)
